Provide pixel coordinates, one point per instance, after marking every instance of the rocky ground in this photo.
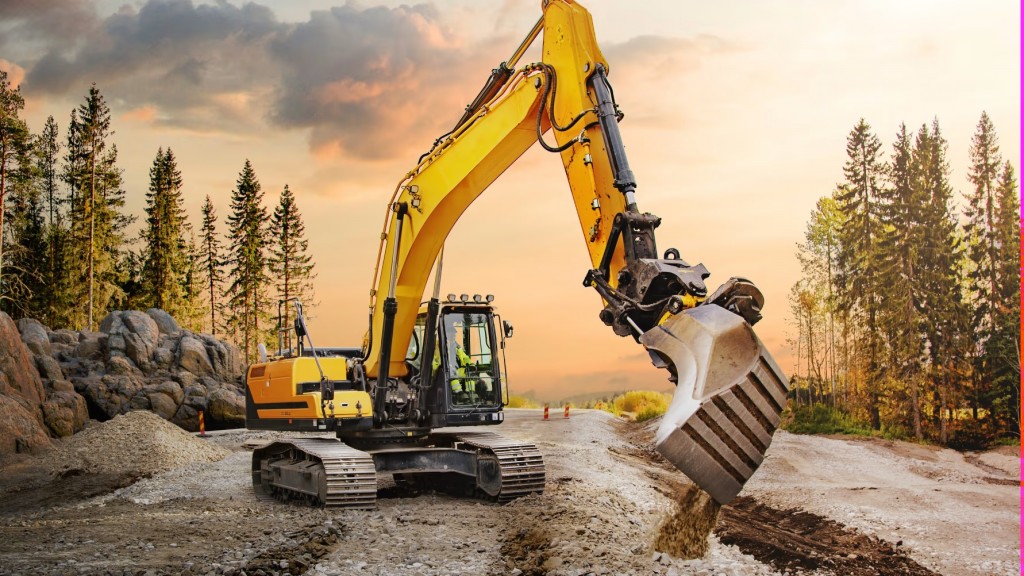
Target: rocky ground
(818, 505)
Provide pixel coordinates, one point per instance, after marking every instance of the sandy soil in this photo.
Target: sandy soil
(866, 508)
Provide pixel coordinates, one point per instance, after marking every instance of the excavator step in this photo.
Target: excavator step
(320, 470)
(729, 397)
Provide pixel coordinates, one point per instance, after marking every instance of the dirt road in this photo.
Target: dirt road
(605, 499)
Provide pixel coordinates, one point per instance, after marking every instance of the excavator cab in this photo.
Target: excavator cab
(466, 378)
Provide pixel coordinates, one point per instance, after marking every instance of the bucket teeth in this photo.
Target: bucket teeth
(729, 397)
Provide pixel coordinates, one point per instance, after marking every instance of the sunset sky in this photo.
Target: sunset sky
(736, 117)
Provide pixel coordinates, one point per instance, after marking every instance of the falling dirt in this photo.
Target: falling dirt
(685, 533)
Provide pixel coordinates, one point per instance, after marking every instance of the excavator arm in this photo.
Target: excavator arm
(730, 391)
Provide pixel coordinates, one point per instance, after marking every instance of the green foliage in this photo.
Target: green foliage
(820, 419)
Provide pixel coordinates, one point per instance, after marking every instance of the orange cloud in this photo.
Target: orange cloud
(145, 114)
(15, 73)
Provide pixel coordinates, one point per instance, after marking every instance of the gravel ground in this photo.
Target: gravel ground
(956, 514)
(605, 500)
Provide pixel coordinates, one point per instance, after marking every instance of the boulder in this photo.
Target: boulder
(192, 356)
(65, 413)
(49, 369)
(226, 408)
(91, 345)
(19, 379)
(19, 429)
(164, 322)
(161, 404)
(34, 335)
(120, 365)
(64, 336)
(140, 323)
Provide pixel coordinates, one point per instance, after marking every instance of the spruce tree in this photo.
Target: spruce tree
(1003, 348)
(898, 265)
(983, 250)
(857, 279)
(945, 313)
(14, 145)
(165, 250)
(290, 263)
(211, 262)
(192, 311)
(248, 302)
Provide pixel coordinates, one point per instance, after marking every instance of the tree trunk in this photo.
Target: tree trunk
(92, 229)
(915, 408)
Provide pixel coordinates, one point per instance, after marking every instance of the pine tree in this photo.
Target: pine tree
(859, 235)
(165, 251)
(14, 145)
(290, 264)
(211, 262)
(97, 223)
(56, 290)
(248, 302)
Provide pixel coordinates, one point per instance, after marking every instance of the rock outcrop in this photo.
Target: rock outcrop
(53, 381)
(22, 427)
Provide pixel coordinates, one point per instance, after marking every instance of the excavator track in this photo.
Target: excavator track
(521, 464)
(318, 470)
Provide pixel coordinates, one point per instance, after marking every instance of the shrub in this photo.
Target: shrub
(641, 403)
(515, 401)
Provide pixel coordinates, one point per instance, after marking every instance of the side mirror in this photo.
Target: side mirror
(300, 329)
(507, 328)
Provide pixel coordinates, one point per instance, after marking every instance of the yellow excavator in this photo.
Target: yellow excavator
(427, 368)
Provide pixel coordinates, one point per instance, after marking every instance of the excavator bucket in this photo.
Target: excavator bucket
(729, 395)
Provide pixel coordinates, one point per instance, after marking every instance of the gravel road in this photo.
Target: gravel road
(605, 502)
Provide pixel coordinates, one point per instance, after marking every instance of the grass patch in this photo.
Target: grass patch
(822, 419)
(819, 419)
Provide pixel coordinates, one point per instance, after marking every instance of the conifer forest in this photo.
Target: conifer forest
(906, 319)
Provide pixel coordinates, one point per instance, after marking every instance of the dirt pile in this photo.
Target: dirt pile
(138, 443)
(685, 533)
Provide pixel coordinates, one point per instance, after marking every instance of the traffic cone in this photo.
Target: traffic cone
(566, 410)
(545, 411)
(202, 425)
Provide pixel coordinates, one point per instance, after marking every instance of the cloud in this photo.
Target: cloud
(15, 73)
(27, 24)
(372, 83)
(191, 62)
(367, 83)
